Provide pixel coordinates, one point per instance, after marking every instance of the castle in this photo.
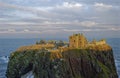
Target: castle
(79, 41)
(75, 41)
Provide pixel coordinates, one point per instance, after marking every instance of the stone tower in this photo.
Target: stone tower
(77, 41)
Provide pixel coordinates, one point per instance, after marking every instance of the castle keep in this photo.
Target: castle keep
(79, 41)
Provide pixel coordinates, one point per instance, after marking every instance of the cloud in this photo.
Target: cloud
(68, 23)
(27, 10)
(11, 30)
(26, 30)
(88, 23)
(67, 9)
(70, 5)
(102, 6)
(80, 30)
(20, 23)
(58, 16)
(91, 30)
(113, 29)
(71, 30)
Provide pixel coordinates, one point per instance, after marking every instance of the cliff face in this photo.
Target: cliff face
(73, 63)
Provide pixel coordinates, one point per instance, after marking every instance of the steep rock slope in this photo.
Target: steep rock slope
(72, 63)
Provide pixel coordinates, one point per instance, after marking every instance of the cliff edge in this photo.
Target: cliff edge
(71, 63)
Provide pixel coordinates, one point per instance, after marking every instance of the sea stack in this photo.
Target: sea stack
(77, 59)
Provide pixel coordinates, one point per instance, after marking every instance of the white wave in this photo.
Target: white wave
(28, 75)
(4, 59)
(117, 63)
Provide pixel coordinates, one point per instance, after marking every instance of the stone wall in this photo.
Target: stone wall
(77, 41)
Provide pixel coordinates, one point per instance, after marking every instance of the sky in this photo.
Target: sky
(59, 18)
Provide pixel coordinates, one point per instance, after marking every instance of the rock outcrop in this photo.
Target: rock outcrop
(71, 63)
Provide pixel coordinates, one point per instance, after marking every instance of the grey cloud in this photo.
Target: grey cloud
(113, 2)
(32, 10)
(59, 17)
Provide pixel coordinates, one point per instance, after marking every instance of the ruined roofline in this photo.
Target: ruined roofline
(74, 42)
(80, 41)
(81, 34)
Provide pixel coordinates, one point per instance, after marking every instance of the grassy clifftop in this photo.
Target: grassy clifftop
(71, 63)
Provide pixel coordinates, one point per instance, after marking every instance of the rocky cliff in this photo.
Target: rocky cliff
(71, 63)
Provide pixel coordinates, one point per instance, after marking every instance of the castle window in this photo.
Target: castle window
(76, 34)
(74, 40)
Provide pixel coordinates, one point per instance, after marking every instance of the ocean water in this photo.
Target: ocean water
(9, 45)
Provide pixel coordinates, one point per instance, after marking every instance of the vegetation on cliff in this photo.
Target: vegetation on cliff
(76, 59)
(72, 63)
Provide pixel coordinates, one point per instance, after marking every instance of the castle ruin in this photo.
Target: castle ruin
(80, 41)
(77, 41)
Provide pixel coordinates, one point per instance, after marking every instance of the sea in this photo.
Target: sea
(8, 46)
